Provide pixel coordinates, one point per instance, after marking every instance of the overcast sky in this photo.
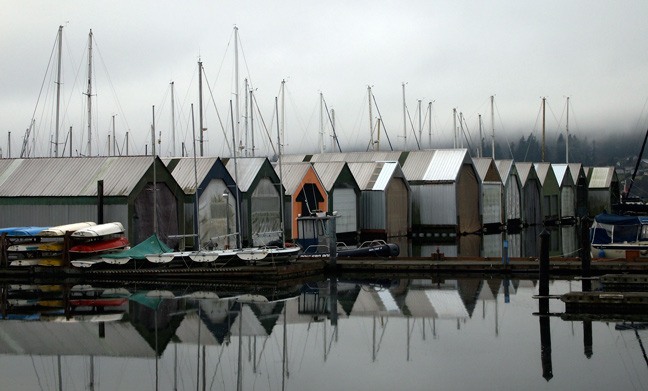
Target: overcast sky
(455, 54)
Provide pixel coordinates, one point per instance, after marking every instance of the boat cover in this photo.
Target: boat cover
(152, 245)
(614, 219)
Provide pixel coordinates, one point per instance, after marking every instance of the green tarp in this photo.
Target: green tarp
(152, 245)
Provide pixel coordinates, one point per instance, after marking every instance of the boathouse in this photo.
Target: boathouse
(567, 192)
(445, 193)
(491, 192)
(384, 200)
(216, 200)
(305, 193)
(550, 193)
(531, 208)
(344, 198)
(55, 191)
(604, 190)
(582, 187)
(512, 198)
(261, 193)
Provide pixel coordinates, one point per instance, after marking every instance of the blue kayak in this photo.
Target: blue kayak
(22, 231)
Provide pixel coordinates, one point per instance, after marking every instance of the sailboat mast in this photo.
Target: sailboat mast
(238, 195)
(404, 120)
(200, 106)
(454, 126)
(481, 138)
(567, 131)
(430, 125)
(246, 118)
(283, 111)
(543, 130)
(492, 99)
(89, 94)
(371, 137)
(114, 149)
(236, 87)
(334, 135)
(154, 173)
(420, 113)
(252, 120)
(58, 89)
(196, 222)
(281, 200)
(321, 132)
(173, 136)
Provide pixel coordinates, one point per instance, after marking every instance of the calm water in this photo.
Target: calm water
(442, 334)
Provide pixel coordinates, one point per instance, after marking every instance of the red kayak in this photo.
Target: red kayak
(98, 246)
(98, 302)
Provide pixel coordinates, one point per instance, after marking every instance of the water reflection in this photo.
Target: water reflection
(525, 243)
(327, 334)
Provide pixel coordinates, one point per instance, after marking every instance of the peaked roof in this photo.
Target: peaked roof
(246, 170)
(374, 175)
(563, 174)
(356, 156)
(542, 169)
(602, 177)
(576, 169)
(69, 177)
(505, 167)
(439, 165)
(185, 170)
(293, 174)
(486, 170)
(329, 172)
(525, 171)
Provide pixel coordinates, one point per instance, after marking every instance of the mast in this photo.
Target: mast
(281, 200)
(173, 136)
(252, 120)
(58, 89)
(154, 173)
(114, 149)
(283, 110)
(89, 93)
(420, 123)
(9, 145)
(334, 135)
(371, 137)
(246, 118)
(454, 126)
(378, 139)
(236, 187)
(430, 125)
(321, 132)
(196, 222)
(543, 130)
(404, 120)
(236, 87)
(481, 138)
(492, 99)
(200, 106)
(567, 131)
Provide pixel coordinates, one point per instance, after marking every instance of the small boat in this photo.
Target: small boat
(103, 245)
(61, 230)
(619, 236)
(22, 231)
(150, 246)
(315, 239)
(99, 230)
(57, 262)
(85, 263)
(98, 302)
(37, 246)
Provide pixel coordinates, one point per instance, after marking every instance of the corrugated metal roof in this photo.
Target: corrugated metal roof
(328, 173)
(542, 169)
(504, 167)
(65, 177)
(575, 170)
(374, 175)
(417, 164)
(601, 177)
(524, 171)
(486, 170)
(247, 169)
(445, 165)
(292, 175)
(183, 172)
(356, 157)
(292, 158)
(561, 171)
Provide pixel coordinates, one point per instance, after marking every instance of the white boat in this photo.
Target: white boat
(166, 257)
(99, 230)
(85, 263)
(619, 236)
(60, 230)
(55, 246)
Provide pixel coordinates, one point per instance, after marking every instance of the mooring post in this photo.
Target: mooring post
(543, 289)
(585, 254)
(332, 241)
(100, 201)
